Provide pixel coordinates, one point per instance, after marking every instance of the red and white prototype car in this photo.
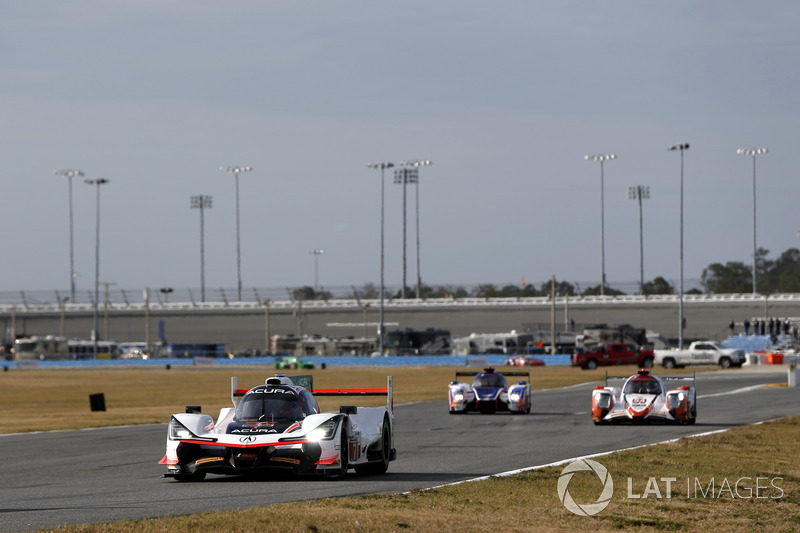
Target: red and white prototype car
(646, 398)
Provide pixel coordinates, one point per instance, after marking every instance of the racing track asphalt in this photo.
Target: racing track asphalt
(98, 475)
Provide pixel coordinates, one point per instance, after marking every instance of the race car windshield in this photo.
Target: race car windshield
(263, 407)
(489, 380)
(642, 386)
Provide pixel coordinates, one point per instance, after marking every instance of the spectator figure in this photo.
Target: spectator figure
(732, 327)
(746, 326)
(756, 327)
(786, 326)
(771, 327)
(763, 327)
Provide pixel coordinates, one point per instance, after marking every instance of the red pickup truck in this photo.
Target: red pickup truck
(615, 353)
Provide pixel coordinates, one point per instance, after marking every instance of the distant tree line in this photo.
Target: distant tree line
(779, 276)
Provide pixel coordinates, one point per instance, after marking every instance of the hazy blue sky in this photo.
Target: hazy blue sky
(505, 98)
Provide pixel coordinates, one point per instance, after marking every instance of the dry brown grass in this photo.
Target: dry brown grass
(49, 399)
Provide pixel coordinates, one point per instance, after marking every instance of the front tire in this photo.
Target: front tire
(344, 454)
(344, 451)
(725, 362)
(197, 476)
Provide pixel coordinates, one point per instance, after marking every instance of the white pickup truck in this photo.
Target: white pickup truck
(700, 353)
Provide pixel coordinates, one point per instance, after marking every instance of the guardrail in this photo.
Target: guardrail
(338, 304)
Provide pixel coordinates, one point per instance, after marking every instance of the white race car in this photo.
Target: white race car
(279, 426)
(645, 398)
(489, 392)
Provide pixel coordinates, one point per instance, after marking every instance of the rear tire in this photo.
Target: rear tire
(591, 364)
(379, 467)
(693, 419)
(647, 363)
(669, 363)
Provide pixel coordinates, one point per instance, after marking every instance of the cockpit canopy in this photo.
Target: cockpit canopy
(642, 386)
(488, 380)
(275, 403)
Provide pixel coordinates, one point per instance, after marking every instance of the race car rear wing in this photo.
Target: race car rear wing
(388, 392)
(307, 381)
(493, 371)
(662, 378)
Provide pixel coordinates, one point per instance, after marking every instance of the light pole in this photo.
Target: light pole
(61, 307)
(416, 165)
(106, 285)
(267, 343)
(602, 158)
(404, 176)
(202, 203)
(316, 253)
(146, 296)
(69, 174)
(682, 147)
(98, 182)
(235, 170)
(640, 192)
(753, 152)
(382, 166)
(166, 292)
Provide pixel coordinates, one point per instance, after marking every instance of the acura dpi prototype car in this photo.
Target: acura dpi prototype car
(645, 398)
(278, 426)
(489, 392)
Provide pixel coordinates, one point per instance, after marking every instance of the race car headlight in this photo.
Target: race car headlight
(603, 401)
(178, 431)
(675, 400)
(324, 431)
(458, 396)
(515, 395)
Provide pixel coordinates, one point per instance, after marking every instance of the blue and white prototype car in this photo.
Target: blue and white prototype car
(278, 426)
(489, 393)
(646, 398)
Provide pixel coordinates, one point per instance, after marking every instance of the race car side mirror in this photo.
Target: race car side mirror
(194, 409)
(348, 409)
